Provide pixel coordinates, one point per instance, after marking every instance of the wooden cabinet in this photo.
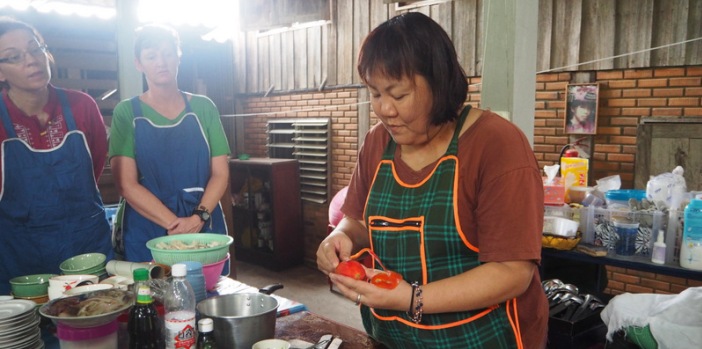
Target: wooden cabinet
(267, 212)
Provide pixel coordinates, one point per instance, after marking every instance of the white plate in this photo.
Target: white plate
(10, 309)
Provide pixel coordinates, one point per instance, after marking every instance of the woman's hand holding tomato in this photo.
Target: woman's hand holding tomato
(352, 269)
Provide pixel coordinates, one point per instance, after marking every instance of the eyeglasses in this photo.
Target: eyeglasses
(19, 57)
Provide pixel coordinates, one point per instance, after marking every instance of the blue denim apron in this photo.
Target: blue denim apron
(50, 206)
(174, 165)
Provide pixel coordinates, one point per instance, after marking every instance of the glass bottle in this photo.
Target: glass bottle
(144, 326)
(179, 302)
(205, 338)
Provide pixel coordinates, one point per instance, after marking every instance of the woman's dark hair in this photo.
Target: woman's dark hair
(410, 44)
(8, 24)
(152, 35)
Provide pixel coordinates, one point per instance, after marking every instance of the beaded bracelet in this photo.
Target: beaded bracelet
(416, 307)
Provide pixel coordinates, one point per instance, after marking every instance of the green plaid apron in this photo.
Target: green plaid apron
(414, 231)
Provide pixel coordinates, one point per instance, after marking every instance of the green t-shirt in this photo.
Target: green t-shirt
(122, 128)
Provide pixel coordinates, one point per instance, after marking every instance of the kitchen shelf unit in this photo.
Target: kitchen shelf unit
(307, 140)
(267, 212)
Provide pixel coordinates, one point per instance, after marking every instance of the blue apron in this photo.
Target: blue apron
(50, 206)
(174, 165)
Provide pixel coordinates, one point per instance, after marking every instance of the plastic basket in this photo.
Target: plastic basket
(641, 336)
(207, 255)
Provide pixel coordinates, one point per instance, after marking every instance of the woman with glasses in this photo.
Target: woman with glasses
(53, 149)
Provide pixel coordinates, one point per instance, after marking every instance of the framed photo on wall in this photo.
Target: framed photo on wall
(581, 108)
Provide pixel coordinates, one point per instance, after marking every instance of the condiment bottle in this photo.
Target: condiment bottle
(691, 247)
(179, 301)
(144, 326)
(658, 254)
(205, 338)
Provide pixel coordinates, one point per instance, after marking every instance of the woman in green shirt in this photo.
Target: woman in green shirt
(168, 152)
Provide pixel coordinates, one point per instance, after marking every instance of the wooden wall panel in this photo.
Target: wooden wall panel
(693, 51)
(361, 28)
(570, 33)
(252, 63)
(465, 33)
(287, 44)
(634, 25)
(265, 62)
(274, 49)
(670, 26)
(300, 59)
(565, 44)
(344, 42)
(314, 57)
(597, 36)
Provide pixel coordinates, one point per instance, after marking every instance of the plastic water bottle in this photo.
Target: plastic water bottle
(691, 247)
(179, 302)
(144, 326)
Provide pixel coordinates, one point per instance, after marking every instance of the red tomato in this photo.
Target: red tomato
(351, 269)
(386, 279)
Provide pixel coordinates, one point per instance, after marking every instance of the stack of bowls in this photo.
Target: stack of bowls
(31, 287)
(88, 263)
(196, 278)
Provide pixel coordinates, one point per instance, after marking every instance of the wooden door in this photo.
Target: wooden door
(663, 144)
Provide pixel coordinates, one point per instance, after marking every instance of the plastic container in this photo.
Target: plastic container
(560, 226)
(691, 247)
(626, 238)
(100, 337)
(620, 198)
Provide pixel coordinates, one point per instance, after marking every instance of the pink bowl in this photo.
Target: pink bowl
(212, 272)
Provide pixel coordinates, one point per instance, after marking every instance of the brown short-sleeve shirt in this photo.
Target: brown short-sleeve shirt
(501, 199)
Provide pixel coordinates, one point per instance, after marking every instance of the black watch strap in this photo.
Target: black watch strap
(203, 213)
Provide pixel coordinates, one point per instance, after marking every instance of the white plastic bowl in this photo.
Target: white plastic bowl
(560, 226)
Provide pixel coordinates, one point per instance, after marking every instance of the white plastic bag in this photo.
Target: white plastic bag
(667, 188)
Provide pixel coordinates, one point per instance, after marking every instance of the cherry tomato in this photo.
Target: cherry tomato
(386, 279)
(352, 269)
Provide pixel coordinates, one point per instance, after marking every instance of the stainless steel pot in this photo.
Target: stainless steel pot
(242, 319)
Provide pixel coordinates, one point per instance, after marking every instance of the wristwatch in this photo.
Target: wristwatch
(203, 213)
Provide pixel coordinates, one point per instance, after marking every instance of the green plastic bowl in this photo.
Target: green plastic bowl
(206, 255)
(30, 285)
(83, 264)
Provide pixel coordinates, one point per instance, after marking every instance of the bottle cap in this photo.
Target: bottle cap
(179, 269)
(205, 325)
(141, 274)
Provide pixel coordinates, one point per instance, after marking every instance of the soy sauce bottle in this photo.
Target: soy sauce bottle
(205, 339)
(144, 326)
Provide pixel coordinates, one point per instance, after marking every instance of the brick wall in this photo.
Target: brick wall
(341, 106)
(625, 97)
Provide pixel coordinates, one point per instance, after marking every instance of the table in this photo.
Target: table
(309, 327)
(225, 285)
